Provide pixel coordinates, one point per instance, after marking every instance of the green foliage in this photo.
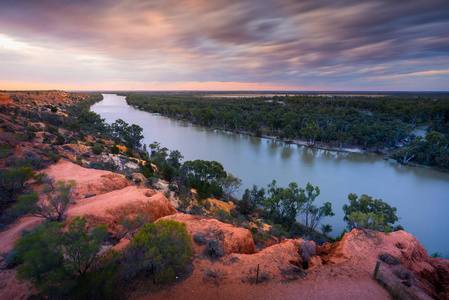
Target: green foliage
(326, 229)
(283, 204)
(431, 151)
(57, 203)
(367, 213)
(168, 172)
(115, 149)
(231, 184)
(159, 250)
(205, 177)
(24, 204)
(6, 151)
(314, 214)
(223, 216)
(250, 199)
(356, 120)
(131, 134)
(97, 149)
(12, 183)
(60, 140)
(64, 263)
(40, 177)
(133, 225)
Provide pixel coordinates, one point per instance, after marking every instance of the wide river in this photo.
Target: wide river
(420, 195)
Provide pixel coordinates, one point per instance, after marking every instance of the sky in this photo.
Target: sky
(288, 45)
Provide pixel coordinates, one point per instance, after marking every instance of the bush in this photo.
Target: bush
(97, 149)
(223, 216)
(57, 202)
(159, 250)
(24, 204)
(115, 149)
(213, 249)
(307, 250)
(133, 225)
(366, 213)
(12, 183)
(59, 262)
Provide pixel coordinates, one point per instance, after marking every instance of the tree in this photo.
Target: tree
(326, 228)
(250, 199)
(160, 249)
(366, 213)
(283, 204)
(317, 214)
(57, 203)
(311, 132)
(133, 136)
(12, 183)
(309, 198)
(205, 176)
(231, 184)
(60, 261)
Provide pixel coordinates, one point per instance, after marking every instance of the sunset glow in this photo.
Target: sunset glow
(224, 45)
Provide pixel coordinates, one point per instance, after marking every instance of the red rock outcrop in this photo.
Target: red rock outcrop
(88, 181)
(232, 239)
(406, 264)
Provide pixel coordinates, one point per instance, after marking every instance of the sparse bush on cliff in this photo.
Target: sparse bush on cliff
(213, 249)
(223, 216)
(159, 250)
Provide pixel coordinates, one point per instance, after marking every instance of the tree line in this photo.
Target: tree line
(378, 124)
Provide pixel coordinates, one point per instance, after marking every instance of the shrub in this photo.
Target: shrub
(307, 250)
(222, 215)
(12, 183)
(115, 149)
(59, 262)
(366, 213)
(24, 204)
(57, 202)
(133, 225)
(97, 149)
(199, 238)
(213, 249)
(159, 250)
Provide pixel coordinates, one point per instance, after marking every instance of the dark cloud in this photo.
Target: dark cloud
(253, 40)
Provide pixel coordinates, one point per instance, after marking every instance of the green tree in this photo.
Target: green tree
(160, 249)
(283, 204)
(369, 213)
(59, 262)
(313, 214)
(57, 203)
(230, 184)
(250, 199)
(133, 136)
(12, 183)
(205, 176)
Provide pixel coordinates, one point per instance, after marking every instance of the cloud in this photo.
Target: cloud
(256, 41)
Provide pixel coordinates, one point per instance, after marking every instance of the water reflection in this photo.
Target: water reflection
(418, 193)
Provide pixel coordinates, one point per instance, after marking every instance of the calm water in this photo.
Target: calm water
(420, 195)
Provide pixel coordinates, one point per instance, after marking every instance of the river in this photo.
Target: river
(420, 195)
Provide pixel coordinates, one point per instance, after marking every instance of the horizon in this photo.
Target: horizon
(195, 45)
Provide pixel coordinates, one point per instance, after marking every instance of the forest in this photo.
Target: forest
(383, 124)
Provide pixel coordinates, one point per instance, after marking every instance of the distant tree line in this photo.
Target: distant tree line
(371, 123)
